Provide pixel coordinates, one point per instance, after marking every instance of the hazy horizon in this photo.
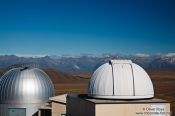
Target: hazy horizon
(90, 55)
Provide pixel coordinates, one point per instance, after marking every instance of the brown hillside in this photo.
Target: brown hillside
(66, 83)
(164, 85)
(1, 71)
(61, 77)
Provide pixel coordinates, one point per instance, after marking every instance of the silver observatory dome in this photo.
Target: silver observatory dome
(25, 85)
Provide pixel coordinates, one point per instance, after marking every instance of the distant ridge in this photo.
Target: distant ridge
(88, 63)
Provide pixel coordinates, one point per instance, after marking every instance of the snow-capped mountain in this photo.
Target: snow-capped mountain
(88, 63)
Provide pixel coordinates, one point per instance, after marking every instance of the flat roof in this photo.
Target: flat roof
(46, 106)
(59, 98)
(116, 101)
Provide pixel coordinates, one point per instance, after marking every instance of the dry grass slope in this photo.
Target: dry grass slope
(164, 85)
(66, 83)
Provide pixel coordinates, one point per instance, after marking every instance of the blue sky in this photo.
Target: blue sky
(56, 27)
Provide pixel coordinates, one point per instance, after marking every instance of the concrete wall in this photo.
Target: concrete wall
(82, 107)
(133, 109)
(58, 109)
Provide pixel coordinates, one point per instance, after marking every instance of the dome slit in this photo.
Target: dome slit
(133, 80)
(112, 76)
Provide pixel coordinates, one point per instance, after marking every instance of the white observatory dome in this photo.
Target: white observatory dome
(120, 79)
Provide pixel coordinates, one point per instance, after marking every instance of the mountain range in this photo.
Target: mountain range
(88, 63)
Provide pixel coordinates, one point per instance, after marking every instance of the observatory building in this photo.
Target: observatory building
(118, 88)
(23, 90)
